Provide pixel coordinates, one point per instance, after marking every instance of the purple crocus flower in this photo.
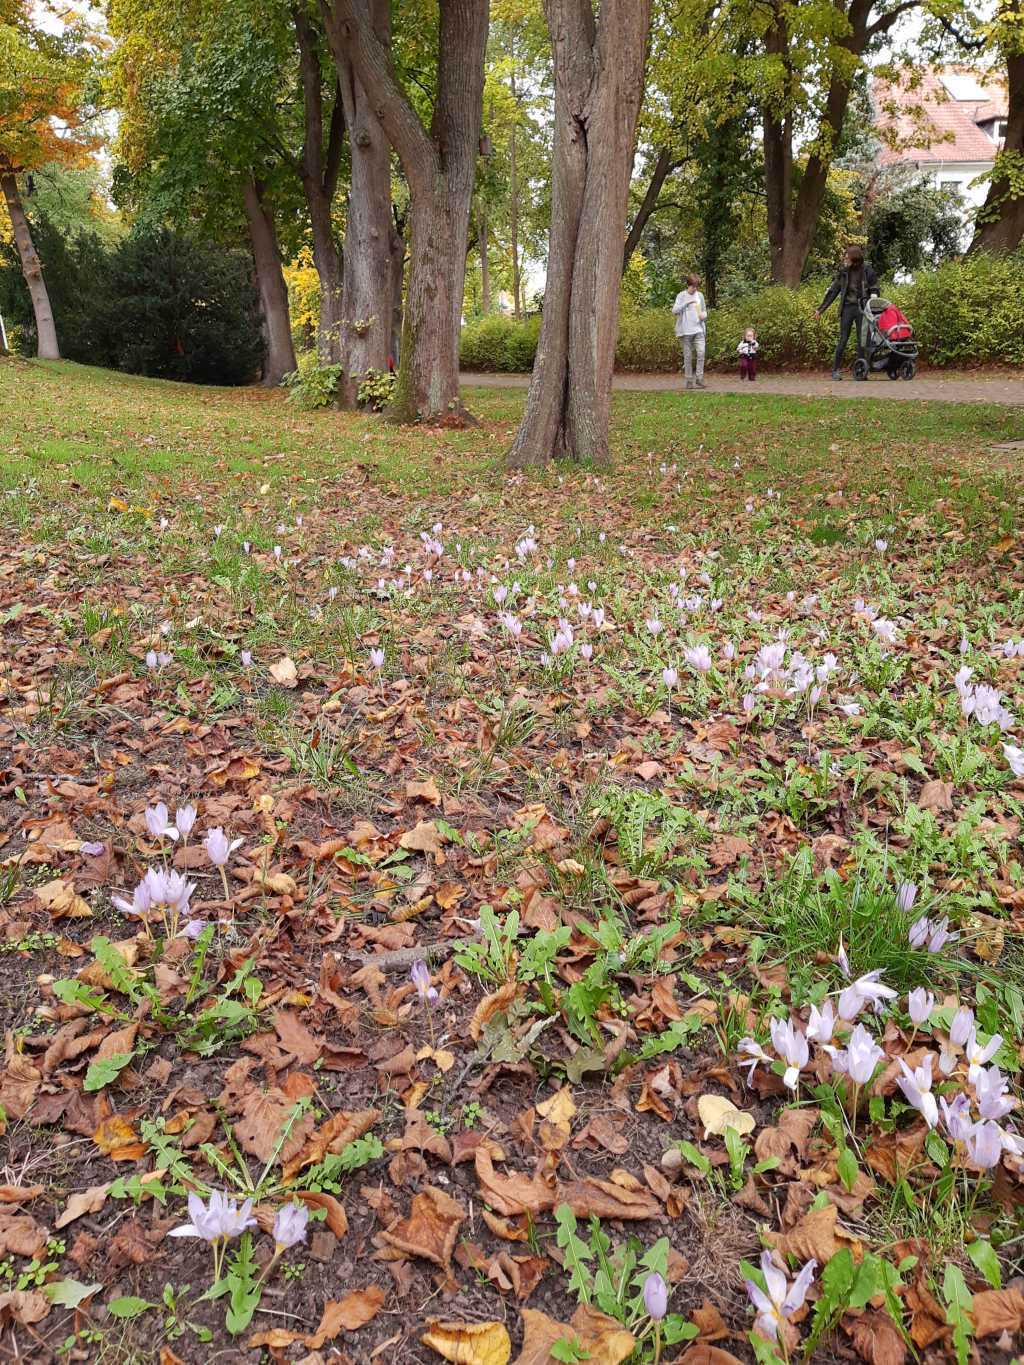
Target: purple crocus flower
(290, 1226)
(906, 895)
(782, 1300)
(218, 849)
(420, 975)
(655, 1296)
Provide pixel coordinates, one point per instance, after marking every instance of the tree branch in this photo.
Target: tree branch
(886, 22)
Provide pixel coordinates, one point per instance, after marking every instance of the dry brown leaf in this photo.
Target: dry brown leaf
(936, 795)
(877, 1339)
(265, 1116)
(717, 1114)
(355, 1310)
(85, 1201)
(284, 672)
(431, 1229)
(816, 1235)
(341, 1128)
(336, 1219)
(998, 1310)
(116, 1137)
(18, 1085)
(469, 1343)
(62, 901)
(606, 1199)
(24, 1305)
(512, 1193)
(20, 1234)
(605, 1340)
(423, 791)
(20, 1194)
(425, 838)
(710, 1321)
(296, 1038)
(557, 1114)
(703, 1354)
(792, 1132)
(491, 1005)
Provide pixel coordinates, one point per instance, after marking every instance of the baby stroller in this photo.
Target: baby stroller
(888, 341)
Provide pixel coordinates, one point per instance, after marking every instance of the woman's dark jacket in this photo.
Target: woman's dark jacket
(837, 289)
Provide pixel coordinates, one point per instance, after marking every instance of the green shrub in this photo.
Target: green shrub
(313, 385)
(376, 389)
(965, 312)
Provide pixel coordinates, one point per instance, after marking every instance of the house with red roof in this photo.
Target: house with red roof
(948, 122)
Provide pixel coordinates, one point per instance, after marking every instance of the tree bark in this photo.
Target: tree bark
(279, 353)
(319, 168)
(32, 269)
(599, 79)
(1004, 230)
(439, 166)
(513, 171)
(663, 167)
(793, 219)
(485, 265)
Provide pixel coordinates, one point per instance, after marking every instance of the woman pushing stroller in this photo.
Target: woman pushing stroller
(855, 282)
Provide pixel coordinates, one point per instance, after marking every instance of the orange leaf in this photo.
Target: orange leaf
(469, 1343)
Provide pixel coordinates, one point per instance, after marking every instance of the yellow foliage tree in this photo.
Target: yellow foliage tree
(44, 118)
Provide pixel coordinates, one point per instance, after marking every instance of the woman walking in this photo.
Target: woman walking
(691, 313)
(854, 284)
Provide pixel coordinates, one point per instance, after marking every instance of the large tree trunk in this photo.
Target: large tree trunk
(440, 168)
(367, 280)
(279, 353)
(1001, 221)
(320, 166)
(32, 269)
(599, 78)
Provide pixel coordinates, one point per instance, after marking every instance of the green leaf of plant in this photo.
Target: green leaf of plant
(937, 1150)
(987, 1262)
(958, 1305)
(847, 1168)
(69, 1293)
(129, 1306)
(104, 1070)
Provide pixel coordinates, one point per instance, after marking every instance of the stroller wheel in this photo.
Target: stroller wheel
(860, 369)
(892, 370)
(908, 369)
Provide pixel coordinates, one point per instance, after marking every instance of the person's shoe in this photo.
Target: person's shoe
(689, 383)
(701, 384)
(837, 374)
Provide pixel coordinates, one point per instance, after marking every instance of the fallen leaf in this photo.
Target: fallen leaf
(816, 1235)
(336, 1219)
(489, 1006)
(703, 1354)
(431, 1229)
(792, 1132)
(877, 1339)
(20, 1194)
(265, 1117)
(284, 672)
(717, 1114)
(423, 791)
(998, 1310)
(62, 901)
(936, 796)
(116, 1137)
(85, 1201)
(513, 1193)
(604, 1339)
(469, 1343)
(606, 1199)
(20, 1234)
(425, 838)
(355, 1310)
(24, 1306)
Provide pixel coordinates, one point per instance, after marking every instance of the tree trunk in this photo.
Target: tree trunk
(485, 265)
(663, 167)
(398, 253)
(279, 353)
(599, 79)
(320, 166)
(517, 284)
(32, 269)
(1001, 220)
(440, 168)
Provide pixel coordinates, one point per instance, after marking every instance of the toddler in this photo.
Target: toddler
(748, 355)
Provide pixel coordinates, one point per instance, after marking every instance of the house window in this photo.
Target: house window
(949, 184)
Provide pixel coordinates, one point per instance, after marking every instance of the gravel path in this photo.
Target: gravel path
(946, 386)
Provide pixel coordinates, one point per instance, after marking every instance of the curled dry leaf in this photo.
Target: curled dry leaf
(998, 1310)
(703, 1354)
(24, 1306)
(355, 1310)
(431, 1229)
(513, 1193)
(877, 1339)
(20, 1194)
(469, 1343)
(791, 1133)
(607, 1199)
(20, 1234)
(491, 1005)
(284, 672)
(85, 1201)
(425, 838)
(717, 1114)
(604, 1339)
(265, 1116)
(816, 1235)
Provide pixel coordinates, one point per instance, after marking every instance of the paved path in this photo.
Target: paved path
(946, 386)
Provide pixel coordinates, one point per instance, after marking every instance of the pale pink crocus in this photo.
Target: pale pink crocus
(821, 1023)
(699, 658)
(917, 1089)
(978, 1054)
(920, 1004)
(790, 1043)
(158, 822)
(985, 1145)
(184, 819)
(782, 1300)
(906, 895)
(1015, 758)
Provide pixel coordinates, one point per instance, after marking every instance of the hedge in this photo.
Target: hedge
(966, 312)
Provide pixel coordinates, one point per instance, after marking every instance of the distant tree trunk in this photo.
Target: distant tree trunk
(1004, 230)
(663, 168)
(320, 166)
(365, 340)
(513, 172)
(792, 219)
(398, 253)
(599, 79)
(440, 167)
(279, 353)
(32, 269)
(485, 265)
